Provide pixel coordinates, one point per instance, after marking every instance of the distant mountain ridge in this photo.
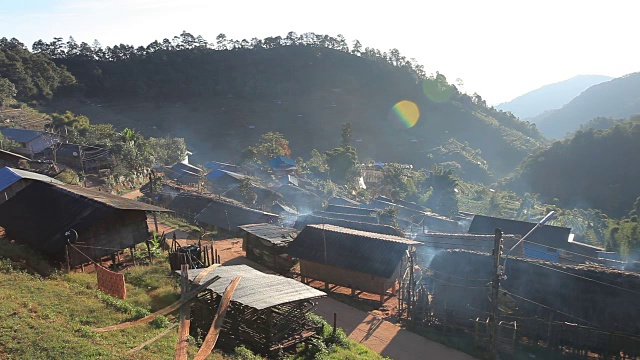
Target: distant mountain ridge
(550, 97)
(617, 98)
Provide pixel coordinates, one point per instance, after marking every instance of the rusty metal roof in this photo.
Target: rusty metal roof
(271, 233)
(114, 201)
(257, 289)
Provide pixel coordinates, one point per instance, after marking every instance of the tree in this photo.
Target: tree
(389, 216)
(167, 150)
(270, 145)
(443, 183)
(636, 207)
(7, 90)
(357, 48)
(245, 188)
(346, 135)
(8, 145)
(68, 120)
(317, 164)
(342, 163)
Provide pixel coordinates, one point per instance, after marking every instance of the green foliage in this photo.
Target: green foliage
(305, 71)
(317, 164)
(7, 90)
(586, 171)
(270, 145)
(249, 197)
(389, 216)
(7, 144)
(167, 150)
(62, 122)
(443, 183)
(68, 176)
(346, 135)
(470, 163)
(33, 75)
(242, 353)
(342, 164)
(160, 322)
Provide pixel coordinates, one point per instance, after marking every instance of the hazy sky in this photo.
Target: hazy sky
(500, 49)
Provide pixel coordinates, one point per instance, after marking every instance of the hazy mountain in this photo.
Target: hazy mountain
(550, 97)
(617, 98)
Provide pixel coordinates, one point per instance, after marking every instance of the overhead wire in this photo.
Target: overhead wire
(586, 278)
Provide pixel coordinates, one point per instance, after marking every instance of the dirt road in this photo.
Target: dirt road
(384, 337)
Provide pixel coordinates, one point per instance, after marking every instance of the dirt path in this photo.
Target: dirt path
(384, 337)
(379, 335)
(132, 194)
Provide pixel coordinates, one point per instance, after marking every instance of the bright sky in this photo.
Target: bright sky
(500, 49)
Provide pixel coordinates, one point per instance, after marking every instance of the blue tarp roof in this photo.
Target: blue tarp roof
(215, 174)
(9, 176)
(21, 135)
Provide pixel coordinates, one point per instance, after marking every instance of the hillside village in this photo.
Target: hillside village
(292, 243)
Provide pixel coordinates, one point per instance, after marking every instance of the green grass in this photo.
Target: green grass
(53, 317)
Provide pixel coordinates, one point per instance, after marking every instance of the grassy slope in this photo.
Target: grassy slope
(53, 318)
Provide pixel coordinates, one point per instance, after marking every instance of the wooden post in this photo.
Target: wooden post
(132, 256)
(212, 257)
(152, 176)
(149, 251)
(66, 255)
(219, 260)
(495, 293)
(216, 256)
(184, 317)
(335, 322)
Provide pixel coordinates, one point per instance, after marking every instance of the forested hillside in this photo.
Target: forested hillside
(619, 98)
(594, 169)
(222, 96)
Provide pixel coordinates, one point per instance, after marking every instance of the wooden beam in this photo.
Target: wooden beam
(218, 321)
(163, 311)
(154, 339)
(185, 311)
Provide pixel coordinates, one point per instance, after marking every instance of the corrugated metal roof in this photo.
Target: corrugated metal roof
(256, 289)
(14, 154)
(348, 217)
(280, 208)
(547, 235)
(272, 233)
(360, 251)
(309, 219)
(343, 201)
(110, 200)
(229, 216)
(21, 135)
(341, 209)
(178, 167)
(9, 176)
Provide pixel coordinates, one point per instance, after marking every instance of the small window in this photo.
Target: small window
(24, 145)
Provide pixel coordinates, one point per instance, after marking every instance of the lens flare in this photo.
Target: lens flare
(406, 113)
